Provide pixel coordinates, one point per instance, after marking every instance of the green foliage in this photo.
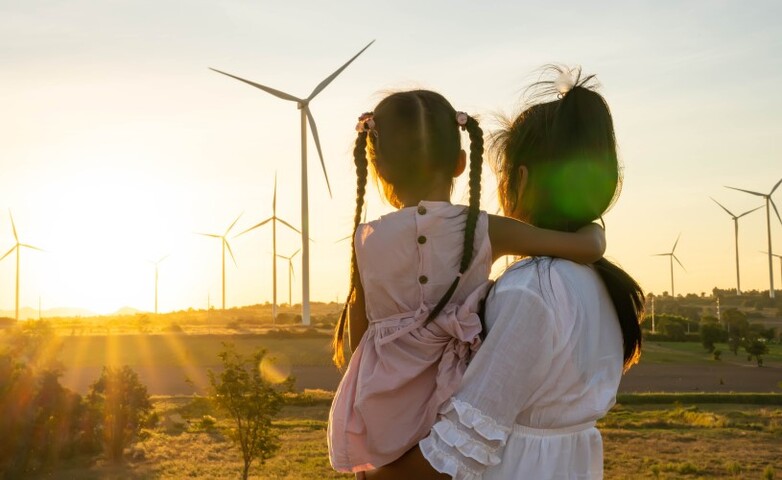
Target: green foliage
(39, 424)
(768, 473)
(119, 405)
(756, 349)
(717, 354)
(699, 398)
(250, 401)
(710, 334)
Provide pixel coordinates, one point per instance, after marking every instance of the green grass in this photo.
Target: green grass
(694, 353)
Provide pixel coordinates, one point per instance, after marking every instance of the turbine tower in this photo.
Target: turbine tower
(274, 219)
(157, 264)
(736, 231)
(18, 247)
(780, 261)
(290, 275)
(769, 203)
(306, 117)
(224, 242)
(672, 258)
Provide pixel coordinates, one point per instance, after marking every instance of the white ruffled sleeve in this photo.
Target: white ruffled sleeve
(501, 381)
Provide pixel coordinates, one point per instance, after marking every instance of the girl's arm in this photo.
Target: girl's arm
(410, 465)
(512, 237)
(357, 317)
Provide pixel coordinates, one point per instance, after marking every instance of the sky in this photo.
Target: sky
(118, 145)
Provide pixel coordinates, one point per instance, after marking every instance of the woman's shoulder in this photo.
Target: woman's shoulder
(551, 278)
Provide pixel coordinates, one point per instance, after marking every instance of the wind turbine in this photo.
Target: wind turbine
(306, 117)
(736, 230)
(769, 201)
(18, 247)
(290, 274)
(157, 264)
(225, 244)
(672, 258)
(274, 219)
(780, 261)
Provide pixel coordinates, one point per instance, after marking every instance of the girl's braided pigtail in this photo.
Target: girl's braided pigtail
(476, 165)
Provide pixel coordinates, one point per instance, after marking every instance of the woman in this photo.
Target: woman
(559, 334)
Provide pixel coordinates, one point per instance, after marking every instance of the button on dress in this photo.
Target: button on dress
(403, 371)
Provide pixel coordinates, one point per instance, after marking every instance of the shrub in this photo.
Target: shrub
(119, 404)
(250, 401)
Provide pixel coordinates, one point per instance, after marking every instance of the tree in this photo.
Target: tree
(756, 348)
(250, 401)
(118, 404)
(710, 334)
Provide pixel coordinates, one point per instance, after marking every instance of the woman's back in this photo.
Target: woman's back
(548, 369)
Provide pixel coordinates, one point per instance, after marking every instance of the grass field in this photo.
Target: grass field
(641, 441)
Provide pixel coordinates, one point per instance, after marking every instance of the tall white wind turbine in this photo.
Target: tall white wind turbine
(225, 244)
(157, 265)
(736, 231)
(274, 219)
(306, 117)
(769, 203)
(672, 256)
(780, 261)
(18, 247)
(290, 275)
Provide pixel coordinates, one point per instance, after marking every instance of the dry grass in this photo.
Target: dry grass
(641, 441)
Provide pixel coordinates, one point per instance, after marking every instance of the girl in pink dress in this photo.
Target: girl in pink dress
(418, 277)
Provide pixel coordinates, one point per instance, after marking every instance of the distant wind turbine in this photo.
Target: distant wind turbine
(780, 262)
(290, 274)
(157, 265)
(306, 117)
(672, 256)
(274, 219)
(736, 230)
(18, 247)
(769, 202)
(225, 245)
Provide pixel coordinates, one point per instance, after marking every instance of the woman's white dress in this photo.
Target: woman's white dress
(548, 369)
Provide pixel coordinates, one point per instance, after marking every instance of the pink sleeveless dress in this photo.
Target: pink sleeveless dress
(402, 372)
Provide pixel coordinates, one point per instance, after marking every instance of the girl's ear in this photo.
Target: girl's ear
(461, 164)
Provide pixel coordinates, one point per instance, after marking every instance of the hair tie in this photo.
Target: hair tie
(461, 120)
(366, 122)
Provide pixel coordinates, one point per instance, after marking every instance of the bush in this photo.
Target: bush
(119, 405)
(250, 401)
(717, 354)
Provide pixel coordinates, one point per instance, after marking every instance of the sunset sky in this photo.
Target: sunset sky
(118, 143)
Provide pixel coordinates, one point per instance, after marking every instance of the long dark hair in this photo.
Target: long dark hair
(414, 142)
(573, 175)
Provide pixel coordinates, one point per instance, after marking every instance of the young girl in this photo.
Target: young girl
(418, 276)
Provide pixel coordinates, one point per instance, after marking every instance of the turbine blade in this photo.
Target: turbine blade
(163, 258)
(290, 269)
(723, 207)
(275, 92)
(288, 225)
(343, 239)
(30, 246)
(8, 253)
(13, 226)
(213, 235)
(255, 226)
(680, 263)
(750, 211)
(676, 243)
(295, 253)
(232, 225)
(314, 129)
(282, 256)
(228, 245)
(747, 191)
(654, 255)
(775, 209)
(775, 186)
(334, 75)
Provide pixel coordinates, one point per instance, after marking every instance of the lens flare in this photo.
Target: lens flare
(275, 367)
